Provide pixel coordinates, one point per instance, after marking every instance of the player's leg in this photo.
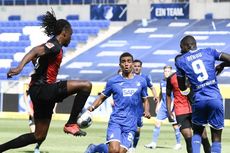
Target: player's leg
(184, 121)
(126, 143)
(161, 115)
(216, 120)
(216, 140)
(114, 147)
(205, 142)
(178, 136)
(137, 133)
(196, 138)
(83, 89)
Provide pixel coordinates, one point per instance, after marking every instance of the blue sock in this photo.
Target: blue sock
(102, 148)
(216, 147)
(136, 139)
(196, 142)
(156, 133)
(177, 134)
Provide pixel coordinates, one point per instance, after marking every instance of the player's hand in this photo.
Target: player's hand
(91, 108)
(147, 115)
(156, 99)
(219, 69)
(13, 71)
(171, 117)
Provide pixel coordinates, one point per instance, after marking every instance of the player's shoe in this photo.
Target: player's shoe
(73, 129)
(36, 150)
(152, 145)
(177, 146)
(131, 150)
(90, 148)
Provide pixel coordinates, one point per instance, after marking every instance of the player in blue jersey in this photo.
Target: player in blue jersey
(127, 90)
(198, 65)
(162, 114)
(137, 67)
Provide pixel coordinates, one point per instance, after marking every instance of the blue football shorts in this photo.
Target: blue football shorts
(208, 112)
(117, 132)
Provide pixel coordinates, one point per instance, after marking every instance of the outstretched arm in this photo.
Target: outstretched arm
(34, 53)
(97, 102)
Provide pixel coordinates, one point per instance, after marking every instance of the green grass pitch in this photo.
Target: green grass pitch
(59, 142)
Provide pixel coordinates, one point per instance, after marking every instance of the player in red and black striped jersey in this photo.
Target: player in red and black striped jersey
(183, 113)
(44, 90)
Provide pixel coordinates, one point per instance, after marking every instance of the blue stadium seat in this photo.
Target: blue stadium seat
(65, 2)
(72, 17)
(30, 2)
(14, 17)
(24, 37)
(54, 2)
(9, 2)
(42, 2)
(20, 2)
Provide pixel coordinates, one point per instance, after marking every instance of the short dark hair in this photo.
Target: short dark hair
(126, 54)
(167, 66)
(188, 41)
(52, 26)
(137, 61)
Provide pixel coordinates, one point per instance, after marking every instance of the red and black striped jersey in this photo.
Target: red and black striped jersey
(181, 102)
(47, 66)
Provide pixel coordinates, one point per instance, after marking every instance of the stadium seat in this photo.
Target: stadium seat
(72, 17)
(66, 2)
(8, 2)
(14, 17)
(54, 2)
(20, 2)
(30, 2)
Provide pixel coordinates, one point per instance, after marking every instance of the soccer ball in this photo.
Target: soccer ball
(84, 119)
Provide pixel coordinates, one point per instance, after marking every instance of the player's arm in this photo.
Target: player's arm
(101, 98)
(226, 58)
(154, 92)
(146, 108)
(159, 100)
(169, 89)
(34, 53)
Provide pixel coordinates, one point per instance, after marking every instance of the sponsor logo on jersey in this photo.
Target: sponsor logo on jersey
(128, 92)
(49, 45)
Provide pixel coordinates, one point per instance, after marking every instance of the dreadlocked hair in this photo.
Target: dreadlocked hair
(52, 26)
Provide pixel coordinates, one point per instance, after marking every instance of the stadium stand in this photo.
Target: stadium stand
(18, 37)
(150, 44)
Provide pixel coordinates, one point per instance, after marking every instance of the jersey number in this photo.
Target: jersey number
(199, 69)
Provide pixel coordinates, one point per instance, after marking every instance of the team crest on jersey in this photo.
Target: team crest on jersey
(49, 45)
(138, 84)
(128, 92)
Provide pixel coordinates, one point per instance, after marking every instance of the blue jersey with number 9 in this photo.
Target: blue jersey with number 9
(199, 67)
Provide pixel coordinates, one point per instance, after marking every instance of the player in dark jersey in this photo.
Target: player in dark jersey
(44, 90)
(183, 112)
(198, 65)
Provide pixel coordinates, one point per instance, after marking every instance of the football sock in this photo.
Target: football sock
(79, 102)
(216, 147)
(18, 142)
(196, 142)
(156, 133)
(102, 148)
(136, 139)
(206, 145)
(178, 135)
(188, 142)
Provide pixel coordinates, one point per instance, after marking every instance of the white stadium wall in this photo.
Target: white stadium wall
(137, 10)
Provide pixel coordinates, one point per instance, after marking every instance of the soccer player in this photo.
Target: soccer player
(183, 112)
(162, 114)
(44, 90)
(137, 67)
(127, 90)
(198, 65)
